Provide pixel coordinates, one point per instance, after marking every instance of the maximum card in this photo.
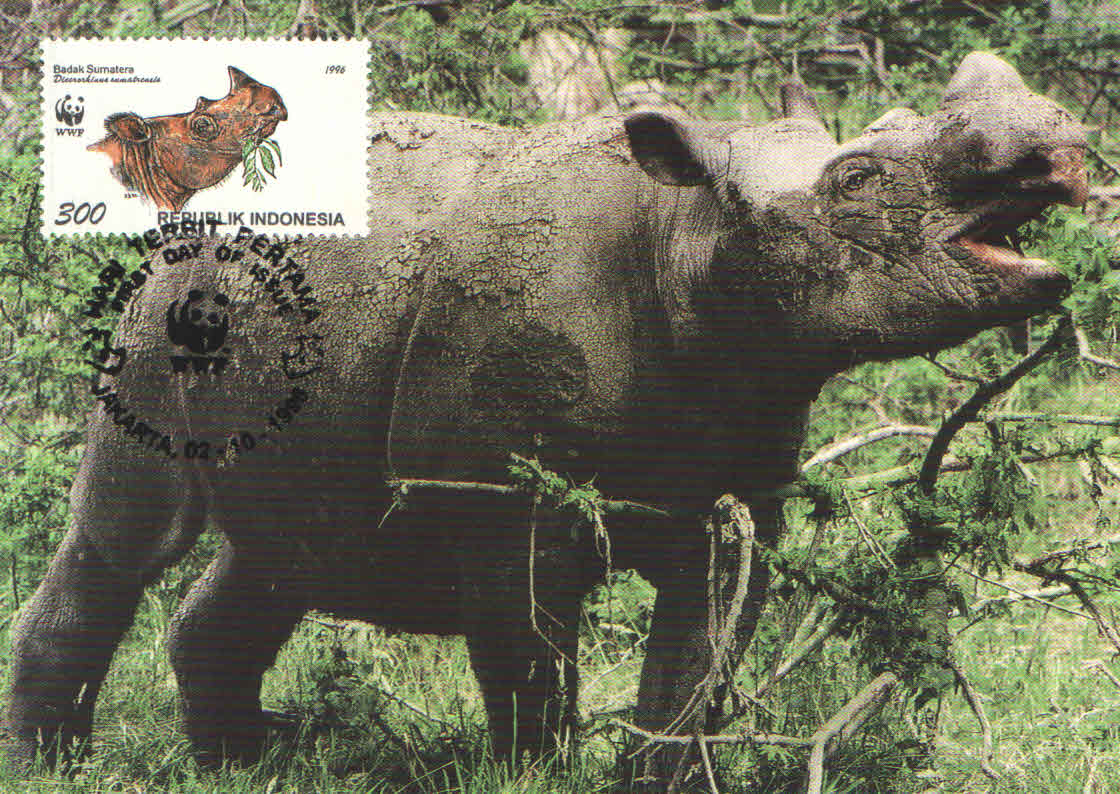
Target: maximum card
(270, 134)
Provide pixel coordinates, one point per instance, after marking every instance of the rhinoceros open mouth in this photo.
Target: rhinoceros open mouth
(993, 237)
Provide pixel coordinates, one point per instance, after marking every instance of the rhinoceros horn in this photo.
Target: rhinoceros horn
(982, 74)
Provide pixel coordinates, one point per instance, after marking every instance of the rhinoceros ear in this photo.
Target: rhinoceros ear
(128, 127)
(797, 101)
(669, 152)
(982, 74)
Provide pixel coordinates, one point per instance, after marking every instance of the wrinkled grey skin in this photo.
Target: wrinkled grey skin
(649, 301)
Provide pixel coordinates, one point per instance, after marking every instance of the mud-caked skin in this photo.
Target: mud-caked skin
(649, 301)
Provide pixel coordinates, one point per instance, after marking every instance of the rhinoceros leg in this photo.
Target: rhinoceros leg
(61, 650)
(131, 515)
(223, 638)
(528, 687)
(678, 651)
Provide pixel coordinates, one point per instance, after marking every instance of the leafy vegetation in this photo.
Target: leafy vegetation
(1028, 504)
(256, 157)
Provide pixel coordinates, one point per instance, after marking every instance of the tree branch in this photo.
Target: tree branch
(970, 410)
(831, 452)
(1087, 354)
(973, 700)
(844, 724)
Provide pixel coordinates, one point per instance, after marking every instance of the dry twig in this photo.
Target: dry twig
(970, 409)
(973, 699)
(844, 724)
(1087, 354)
(838, 449)
(1098, 664)
(799, 654)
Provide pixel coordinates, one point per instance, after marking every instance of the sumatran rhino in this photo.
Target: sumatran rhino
(167, 159)
(647, 301)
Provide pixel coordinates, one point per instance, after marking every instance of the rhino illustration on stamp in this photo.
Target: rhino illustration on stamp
(167, 159)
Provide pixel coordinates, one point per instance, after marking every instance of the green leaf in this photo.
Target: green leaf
(276, 148)
(267, 161)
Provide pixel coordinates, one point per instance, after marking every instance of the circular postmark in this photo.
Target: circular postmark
(203, 316)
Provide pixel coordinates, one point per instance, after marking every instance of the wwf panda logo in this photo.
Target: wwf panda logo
(69, 111)
(200, 324)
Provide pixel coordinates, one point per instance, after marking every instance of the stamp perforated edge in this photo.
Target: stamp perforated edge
(44, 111)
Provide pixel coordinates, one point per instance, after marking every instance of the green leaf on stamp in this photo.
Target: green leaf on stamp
(256, 156)
(267, 162)
(276, 148)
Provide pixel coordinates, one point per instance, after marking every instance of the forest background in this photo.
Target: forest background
(1018, 692)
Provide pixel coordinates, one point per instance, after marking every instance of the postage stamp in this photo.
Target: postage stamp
(270, 134)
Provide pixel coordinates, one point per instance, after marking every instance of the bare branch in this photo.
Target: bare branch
(967, 412)
(747, 737)
(1042, 595)
(1105, 628)
(1069, 419)
(844, 724)
(707, 763)
(868, 538)
(1058, 555)
(610, 506)
(838, 449)
(1021, 593)
(1087, 354)
(799, 654)
(973, 699)
(1098, 664)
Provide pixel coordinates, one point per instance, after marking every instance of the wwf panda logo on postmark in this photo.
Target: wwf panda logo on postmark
(142, 133)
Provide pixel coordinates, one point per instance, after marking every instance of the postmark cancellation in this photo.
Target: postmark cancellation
(270, 134)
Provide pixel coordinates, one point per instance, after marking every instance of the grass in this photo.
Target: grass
(379, 712)
(399, 713)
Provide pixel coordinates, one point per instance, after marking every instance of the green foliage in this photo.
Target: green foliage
(1051, 721)
(555, 490)
(468, 66)
(257, 156)
(1071, 241)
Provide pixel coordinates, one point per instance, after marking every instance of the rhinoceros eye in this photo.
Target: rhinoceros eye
(853, 181)
(204, 127)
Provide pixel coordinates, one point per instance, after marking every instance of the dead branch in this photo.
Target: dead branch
(876, 548)
(973, 700)
(1087, 354)
(1021, 593)
(844, 724)
(1060, 555)
(952, 373)
(707, 763)
(404, 487)
(799, 654)
(746, 737)
(1098, 664)
(970, 409)
(838, 449)
(1105, 628)
(1069, 419)
(1042, 595)
(821, 583)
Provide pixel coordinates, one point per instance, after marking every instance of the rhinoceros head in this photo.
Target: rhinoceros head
(900, 241)
(169, 158)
